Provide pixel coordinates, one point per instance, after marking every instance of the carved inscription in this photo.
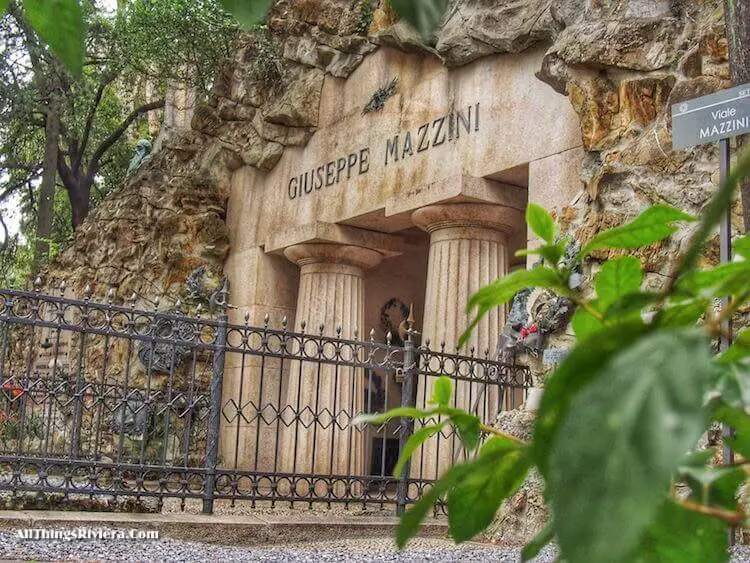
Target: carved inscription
(445, 129)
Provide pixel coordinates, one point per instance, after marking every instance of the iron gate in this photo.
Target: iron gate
(100, 399)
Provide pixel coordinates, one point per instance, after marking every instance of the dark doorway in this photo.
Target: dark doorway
(391, 456)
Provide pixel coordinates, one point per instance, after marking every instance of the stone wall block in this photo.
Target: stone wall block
(298, 106)
(596, 101)
(643, 99)
(305, 50)
(475, 29)
(636, 44)
(296, 136)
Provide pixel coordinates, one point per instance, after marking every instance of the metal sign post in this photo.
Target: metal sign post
(716, 117)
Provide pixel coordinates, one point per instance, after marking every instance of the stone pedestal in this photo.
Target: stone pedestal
(331, 293)
(468, 250)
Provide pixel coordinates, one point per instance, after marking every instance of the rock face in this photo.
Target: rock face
(149, 236)
(622, 64)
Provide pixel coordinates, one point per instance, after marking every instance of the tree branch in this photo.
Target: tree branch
(117, 133)
(107, 79)
(66, 175)
(729, 516)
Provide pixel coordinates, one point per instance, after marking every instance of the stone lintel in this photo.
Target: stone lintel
(456, 189)
(388, 245)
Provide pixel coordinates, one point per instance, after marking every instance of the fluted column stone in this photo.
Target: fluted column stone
(331, 295)
(468, 250)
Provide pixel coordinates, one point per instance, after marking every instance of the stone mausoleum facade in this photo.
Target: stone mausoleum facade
(377, 171)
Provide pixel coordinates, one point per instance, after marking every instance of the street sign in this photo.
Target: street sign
(711, 118)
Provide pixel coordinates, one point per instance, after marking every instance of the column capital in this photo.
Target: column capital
(468, 215)
(308, 254)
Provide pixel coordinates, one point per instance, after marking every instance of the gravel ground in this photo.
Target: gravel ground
(359, 550)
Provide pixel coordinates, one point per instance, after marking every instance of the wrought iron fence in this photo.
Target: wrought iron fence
(103, 399)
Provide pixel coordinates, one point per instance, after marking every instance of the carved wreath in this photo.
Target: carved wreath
(400, 308)
(381, 95)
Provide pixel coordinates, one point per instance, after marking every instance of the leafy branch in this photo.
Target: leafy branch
(617, 416)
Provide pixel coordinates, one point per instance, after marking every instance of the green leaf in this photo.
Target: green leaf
(3, 6)
(621, 441)
(536, 545)
(441, 392)
(501, 291)
(414, 441)
(678, 535)
(585, 324)
(424, 15)
(618, 278)
(653, 225)
(493, 476)
(551, 253)
(682, 314)
(380, 418)
(698, 458)
(468, 427)
(541, 222)
(723, 280)
(59, 23)
(630, 304)
(248, 12)
(733, 385)
(583, 365)
(739, 349)
(741, 246)
(739, 421)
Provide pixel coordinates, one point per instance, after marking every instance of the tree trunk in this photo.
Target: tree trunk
(737, 17)
(47, 188)
(79, 194)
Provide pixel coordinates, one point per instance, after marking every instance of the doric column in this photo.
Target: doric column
(326, 396)
(468, 250)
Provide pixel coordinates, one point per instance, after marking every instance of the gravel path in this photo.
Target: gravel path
(359, 550)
